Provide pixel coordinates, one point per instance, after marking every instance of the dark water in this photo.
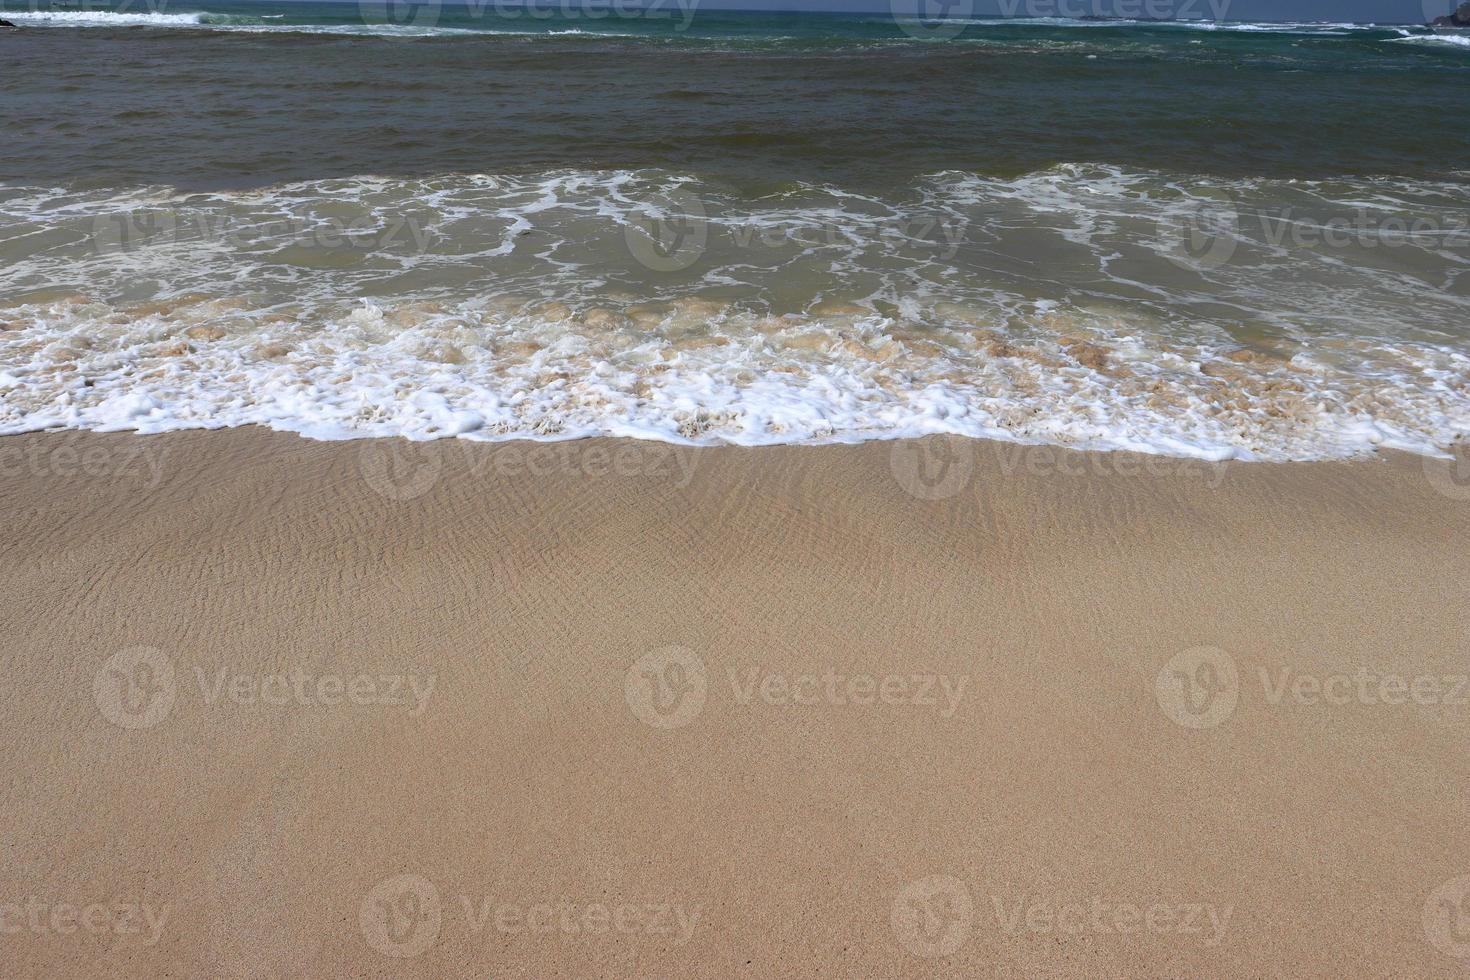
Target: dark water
(753, 98)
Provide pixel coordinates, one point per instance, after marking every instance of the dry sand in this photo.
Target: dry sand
(284, 708)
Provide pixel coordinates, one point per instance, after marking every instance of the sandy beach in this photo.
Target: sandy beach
(279, 707)
(321, 662)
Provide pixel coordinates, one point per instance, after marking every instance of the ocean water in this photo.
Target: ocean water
(1195, 238)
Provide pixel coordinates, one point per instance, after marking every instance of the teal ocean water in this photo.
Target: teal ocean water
(1198, 238)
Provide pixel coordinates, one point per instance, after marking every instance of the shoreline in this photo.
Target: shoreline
(614, 706)
(1010, 449)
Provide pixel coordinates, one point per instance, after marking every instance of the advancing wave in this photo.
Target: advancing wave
(1069, 306)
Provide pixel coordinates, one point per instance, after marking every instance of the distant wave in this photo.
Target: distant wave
(225, 22)
(1274, 28)
(1201, 25)
(103, 18)
(272, 23)
(200, 18)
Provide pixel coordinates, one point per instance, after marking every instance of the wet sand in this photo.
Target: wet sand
(287, 708)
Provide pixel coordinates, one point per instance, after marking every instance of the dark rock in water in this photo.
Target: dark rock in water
(1460, 18)
(7, 24)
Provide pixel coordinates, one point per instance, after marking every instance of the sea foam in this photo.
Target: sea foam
(1049, 308)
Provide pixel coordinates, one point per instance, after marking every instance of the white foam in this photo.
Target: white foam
(474, 373)
(237, 23)
(101, 18)
(516, 311)
(1438, 40)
